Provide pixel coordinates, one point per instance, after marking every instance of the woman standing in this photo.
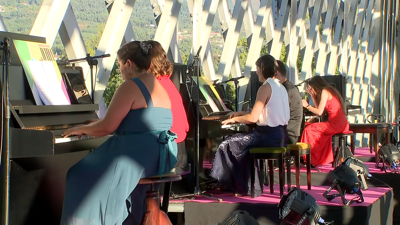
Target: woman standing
(271, 113)
(99, 188)
(319, 135)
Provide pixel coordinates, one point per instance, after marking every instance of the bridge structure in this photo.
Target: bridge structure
(355, 38)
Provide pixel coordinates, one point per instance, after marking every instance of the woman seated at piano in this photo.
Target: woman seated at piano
(271, 113)
(162, 69)
(99, 188)
(319, 134)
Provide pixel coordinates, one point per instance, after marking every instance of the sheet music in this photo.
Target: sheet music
(49, 87)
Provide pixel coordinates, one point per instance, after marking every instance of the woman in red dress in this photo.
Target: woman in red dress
(319, 135)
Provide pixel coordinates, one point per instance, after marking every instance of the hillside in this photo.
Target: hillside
(19, 16)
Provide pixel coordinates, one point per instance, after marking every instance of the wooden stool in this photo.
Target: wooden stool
(268, 153)
(339, 154)
(153, 214)
(297, 150)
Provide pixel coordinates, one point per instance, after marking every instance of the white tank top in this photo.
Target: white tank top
(276, 112)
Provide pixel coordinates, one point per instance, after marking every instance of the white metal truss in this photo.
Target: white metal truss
(326, 38)
(264, 16)
(74, 44)
(281, 23)
(110, 42)
(129, 33)
(209, 11)
(225, 18)
(168, 22)
(164, 14)
(232, 37)
(306, 69)
(2, 25)
(49, 19)
(206, 56)
(298, 38)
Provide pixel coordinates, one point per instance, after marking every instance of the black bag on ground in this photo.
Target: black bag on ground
(389, 156)
(240, 217)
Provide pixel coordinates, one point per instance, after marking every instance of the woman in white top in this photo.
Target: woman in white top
(271, 112)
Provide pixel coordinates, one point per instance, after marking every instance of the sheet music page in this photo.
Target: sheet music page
(49, 88)
(42, 73)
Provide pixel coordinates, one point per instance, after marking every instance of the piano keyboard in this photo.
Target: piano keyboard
(58, 140)
(216, 118)
(236, 126)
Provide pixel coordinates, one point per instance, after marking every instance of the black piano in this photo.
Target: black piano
(39, 156)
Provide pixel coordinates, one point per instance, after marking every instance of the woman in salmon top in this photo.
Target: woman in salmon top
(319, 135)
(162, 69)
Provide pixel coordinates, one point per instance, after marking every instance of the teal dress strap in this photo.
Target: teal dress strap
(144, 91)
(166, 138)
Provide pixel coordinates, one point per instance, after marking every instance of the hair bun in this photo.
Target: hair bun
(145, 47)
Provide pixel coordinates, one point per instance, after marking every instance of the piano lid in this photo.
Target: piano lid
(51, 117)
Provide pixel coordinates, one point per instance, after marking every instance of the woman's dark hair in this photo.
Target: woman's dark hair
(267, 65)
(319, 84)
(135, 51)
(281, 68)
(160, 65)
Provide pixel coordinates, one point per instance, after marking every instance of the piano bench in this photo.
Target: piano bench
(268, 153)
(339, 153)
(374, 130)
(153, 196)
(297, 150)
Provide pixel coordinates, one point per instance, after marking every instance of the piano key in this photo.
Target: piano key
(74, 144)
(71, 138)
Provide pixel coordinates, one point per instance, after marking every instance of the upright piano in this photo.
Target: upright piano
(39, 156)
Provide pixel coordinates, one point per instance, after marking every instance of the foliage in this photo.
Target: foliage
(113, 83)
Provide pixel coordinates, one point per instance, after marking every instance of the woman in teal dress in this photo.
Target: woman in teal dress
(102, 188)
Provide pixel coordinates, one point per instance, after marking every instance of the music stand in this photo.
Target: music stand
(236, 82)
(91, 60)
(5, 142)
(197, 190)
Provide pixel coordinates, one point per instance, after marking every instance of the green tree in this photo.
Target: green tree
(113, 83)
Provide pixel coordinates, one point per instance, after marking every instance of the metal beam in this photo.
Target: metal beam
(173, 50)
(49, 19)
(337, 40)
(206, 56)
(110, 42)
(74, 45)
(264, 16)
(306, 70)
(129, 34)
(232, 37)
(281, 23)
(209, 11)
(167, 23)
(326, 39)
(225, 18)
(2, 24)
(292, 59)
